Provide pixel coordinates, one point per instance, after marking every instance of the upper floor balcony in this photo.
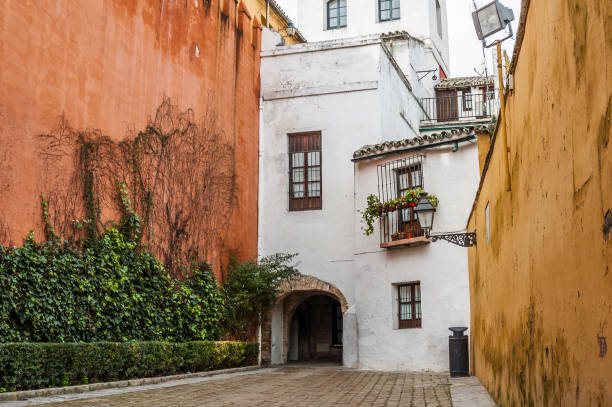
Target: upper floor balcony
(458, 106)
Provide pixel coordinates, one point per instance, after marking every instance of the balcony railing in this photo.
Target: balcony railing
(466, 106)
(399, 226)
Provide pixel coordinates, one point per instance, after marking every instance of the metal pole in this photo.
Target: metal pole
(502, 117)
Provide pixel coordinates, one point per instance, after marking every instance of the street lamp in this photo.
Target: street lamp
(425, 213)
(492, 18)
(488, 20)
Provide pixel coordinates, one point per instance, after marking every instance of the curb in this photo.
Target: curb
(56, 391)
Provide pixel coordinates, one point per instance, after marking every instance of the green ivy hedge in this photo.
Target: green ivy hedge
(26, 366)
(104, 289)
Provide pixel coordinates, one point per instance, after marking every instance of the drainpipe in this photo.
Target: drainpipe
(502, 117)
(267, 11)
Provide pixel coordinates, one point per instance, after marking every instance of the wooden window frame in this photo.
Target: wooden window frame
(337, 19)
(337, 325)
(464, 100)
(305, 143)
(390, 8)
(412, 223)
(415, 320)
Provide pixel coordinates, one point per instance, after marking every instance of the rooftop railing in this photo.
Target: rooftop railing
(460, 107)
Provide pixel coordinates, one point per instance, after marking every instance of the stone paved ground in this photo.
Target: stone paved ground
(291, 386)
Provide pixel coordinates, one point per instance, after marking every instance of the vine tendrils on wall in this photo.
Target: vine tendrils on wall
(176, 184)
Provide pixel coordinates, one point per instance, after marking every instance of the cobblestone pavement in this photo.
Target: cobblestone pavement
(292, 386)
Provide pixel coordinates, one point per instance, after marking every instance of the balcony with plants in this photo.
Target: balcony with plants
(398, 222)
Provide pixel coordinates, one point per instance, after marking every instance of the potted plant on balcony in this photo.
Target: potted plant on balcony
(377, 209)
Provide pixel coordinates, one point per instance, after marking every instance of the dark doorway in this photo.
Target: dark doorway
(446, 105)
(316, 330)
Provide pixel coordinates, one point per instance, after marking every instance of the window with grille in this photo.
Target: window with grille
(337, 325)
(336, 14)
(305, 171)
(388, 10)
(408, 178)
(409, 305)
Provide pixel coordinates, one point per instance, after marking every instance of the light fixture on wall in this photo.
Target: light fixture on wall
(425, 212)
(427, 72)
(290, 30)
(492, 18)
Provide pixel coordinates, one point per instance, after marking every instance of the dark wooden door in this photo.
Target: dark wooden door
(446, 105)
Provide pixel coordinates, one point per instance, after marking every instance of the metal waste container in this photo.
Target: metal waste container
(458, 352)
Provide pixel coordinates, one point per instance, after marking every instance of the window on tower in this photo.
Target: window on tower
(336, 14)
(388, 10)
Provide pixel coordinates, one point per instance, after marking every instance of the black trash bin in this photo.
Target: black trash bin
(458, 352)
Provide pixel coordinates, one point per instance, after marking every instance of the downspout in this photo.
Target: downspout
(502, 118)
(267, 11)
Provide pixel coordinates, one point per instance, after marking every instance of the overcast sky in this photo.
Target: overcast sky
(465, 48)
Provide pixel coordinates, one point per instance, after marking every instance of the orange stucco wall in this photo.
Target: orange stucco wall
(541, 287)
(107, 64)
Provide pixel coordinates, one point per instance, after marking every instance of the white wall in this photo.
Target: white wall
(417, 17)
(335, 92)
(440, 267)
(348, 90)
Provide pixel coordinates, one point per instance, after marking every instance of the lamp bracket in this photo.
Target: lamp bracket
(427, 72)
(460, 239)
(510, 34)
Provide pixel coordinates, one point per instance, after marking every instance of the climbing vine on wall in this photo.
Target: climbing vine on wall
(177, 175)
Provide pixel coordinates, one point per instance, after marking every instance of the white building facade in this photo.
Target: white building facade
(336, 115)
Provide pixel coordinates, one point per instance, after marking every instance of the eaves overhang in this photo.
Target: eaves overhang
(425, 141)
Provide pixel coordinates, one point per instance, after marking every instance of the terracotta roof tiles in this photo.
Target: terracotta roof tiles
(431, 139)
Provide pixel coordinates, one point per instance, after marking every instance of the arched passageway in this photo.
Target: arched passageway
(315, 330)
(307, 323)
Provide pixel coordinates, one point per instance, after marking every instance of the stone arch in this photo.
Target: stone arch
(292, 294)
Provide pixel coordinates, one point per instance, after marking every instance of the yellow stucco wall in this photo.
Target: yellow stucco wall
(257, 8)
(541, 287)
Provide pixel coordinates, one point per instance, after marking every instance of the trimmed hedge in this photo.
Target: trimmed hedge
(25, 366)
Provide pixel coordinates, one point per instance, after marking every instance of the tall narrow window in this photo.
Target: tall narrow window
(305, 171)
(409, 178)
(409, 305)
(388, 10)
(467, 100)
(336, 14)
(337, 325)
(439, 17)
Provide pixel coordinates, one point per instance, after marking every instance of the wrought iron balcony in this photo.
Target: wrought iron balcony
(459, 107)
(399, 225)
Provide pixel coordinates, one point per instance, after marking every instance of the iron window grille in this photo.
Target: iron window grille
(336, 14)
(305, 182)
(409, 305)
(394, 179)
(388, 10)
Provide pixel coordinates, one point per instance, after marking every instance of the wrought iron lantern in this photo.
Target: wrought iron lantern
(425, 213)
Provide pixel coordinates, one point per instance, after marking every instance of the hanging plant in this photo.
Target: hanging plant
(375, 209)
